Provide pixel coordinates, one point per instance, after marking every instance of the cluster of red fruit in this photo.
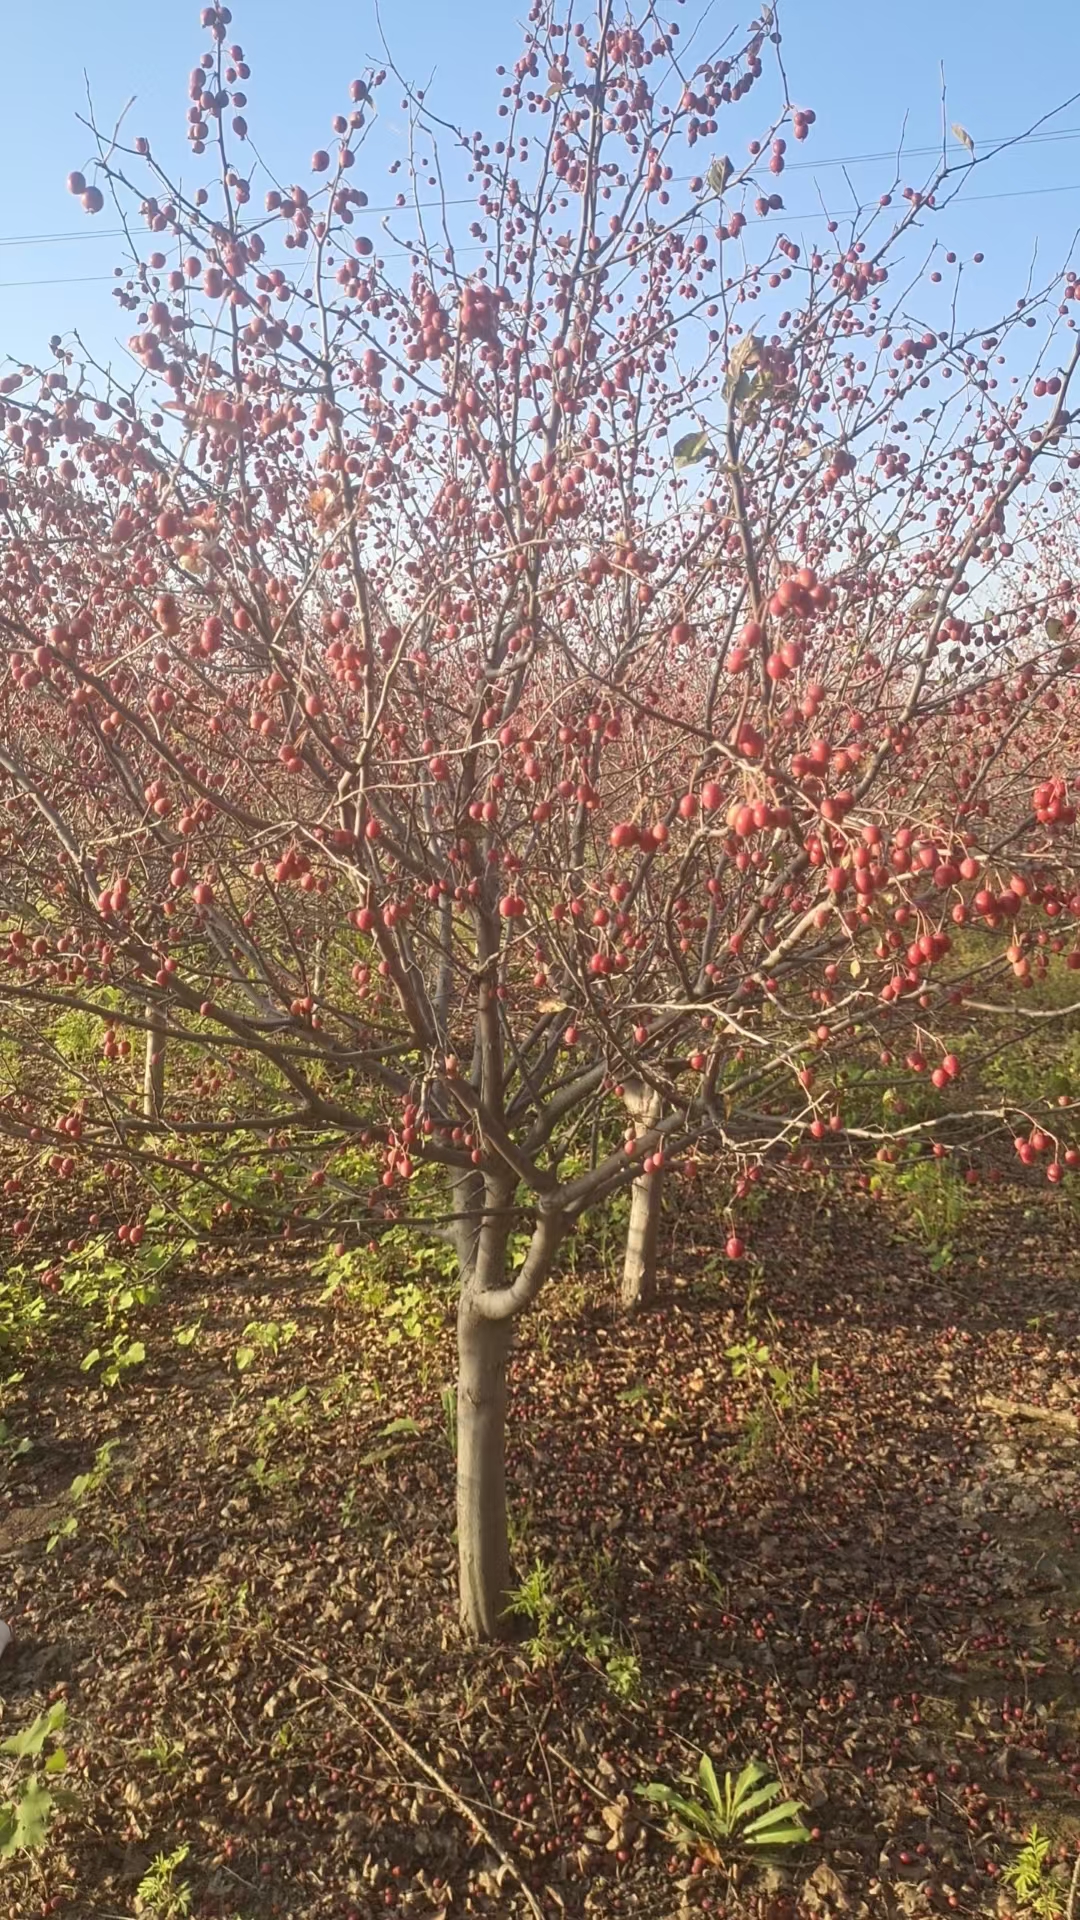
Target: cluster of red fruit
(92, 197)
(942, 1075)
(1052, 807)
(478, 314)
(625, 834)
(113, 1047)
(432, 338)
(293, 865)
(1030, 1148)
(800, 596)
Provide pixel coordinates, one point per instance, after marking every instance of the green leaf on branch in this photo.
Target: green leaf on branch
(745, 356)
(691, 448)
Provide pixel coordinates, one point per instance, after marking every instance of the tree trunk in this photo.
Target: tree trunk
(490, 1301)
(154, 1068)
(639, 1285)
(483, 1530)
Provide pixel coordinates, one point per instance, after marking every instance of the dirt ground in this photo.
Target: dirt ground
(844, 1558)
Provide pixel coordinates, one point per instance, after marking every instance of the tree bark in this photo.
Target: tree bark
(154, 1067)
(482, 1520)
(639, 1285)
(491, 1300)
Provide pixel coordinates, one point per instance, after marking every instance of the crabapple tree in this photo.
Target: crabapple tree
(532, 718)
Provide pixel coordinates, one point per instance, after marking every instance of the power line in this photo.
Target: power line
(48, 239)
(62, 280)
(433, 206)
(787, 219)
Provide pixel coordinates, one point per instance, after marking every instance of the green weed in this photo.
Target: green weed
(169, 1756)
(448, 1401)
(747, 1811)
(263, 1336)
(82, 1489)
(116, 1360)
(13, 1445)
(1034, 1879)
(933, 1201)
(567, 1620)
(161, 1892)
(30, 1800)
(779, 1395)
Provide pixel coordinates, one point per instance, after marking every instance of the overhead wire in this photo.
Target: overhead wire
(789, 217)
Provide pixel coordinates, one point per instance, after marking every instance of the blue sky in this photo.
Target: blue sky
(861, 64)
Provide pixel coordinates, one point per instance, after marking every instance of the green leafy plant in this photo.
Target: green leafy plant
(657, 1408)
(282, 1416)
(599, 1242)
(24, 1309)
(414, 1314)
(701, 1564)
(568, 1620)
(160, 1891)
(284, 1738)
(347, 1511)
(101, 1284)
(779, 1394)
(29, 1801)
(393, 1435)
(404, 1284)
(353, 1271)
(82, 1488)
(370, 1275)
(109, 1287)
(623, 1671)
(1034, 1879)
(752, 1360)
(267, 1477)
(165, 1754)
(263, 1336)
(747, 1811)
(933, 1200)
(14, 1445)
(116, 1360)
(448, 1401)
(534, 1600)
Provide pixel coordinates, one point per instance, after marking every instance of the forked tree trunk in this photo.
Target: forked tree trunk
(154, 1064)
(484, 1342)
(639, 1285)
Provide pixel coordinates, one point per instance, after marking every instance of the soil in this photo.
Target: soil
(851, 1569)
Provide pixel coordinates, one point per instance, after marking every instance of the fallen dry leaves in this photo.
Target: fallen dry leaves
(878, 1592)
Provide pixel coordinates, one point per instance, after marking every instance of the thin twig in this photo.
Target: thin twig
(1027, 1410)
(433, 1774)
(1070, 1910)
